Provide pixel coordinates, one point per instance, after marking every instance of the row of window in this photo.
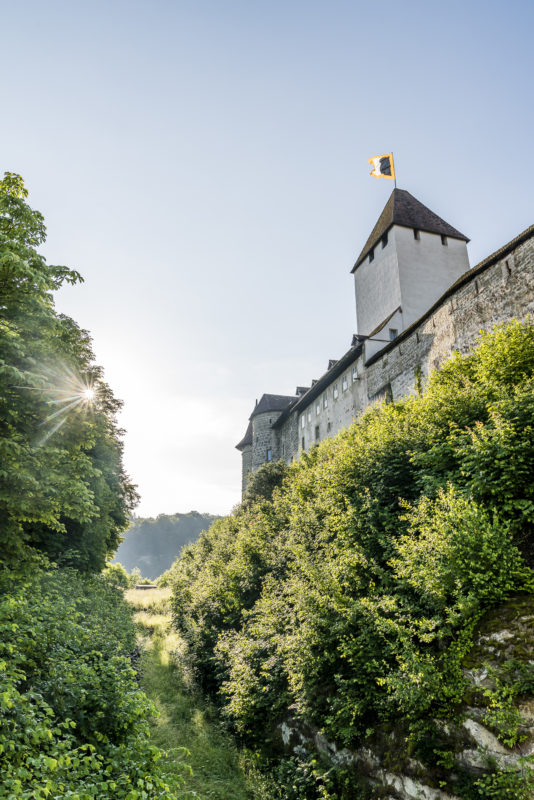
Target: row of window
(416, 236)
(324, 400)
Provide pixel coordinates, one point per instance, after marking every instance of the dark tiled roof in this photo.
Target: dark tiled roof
(383, 323)
(273, 402)
(403, 209)
(247, 438)
(320, 385)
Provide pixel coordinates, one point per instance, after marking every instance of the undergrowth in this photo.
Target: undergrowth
(73, 722)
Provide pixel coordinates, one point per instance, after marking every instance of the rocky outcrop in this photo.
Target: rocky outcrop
(487, 742)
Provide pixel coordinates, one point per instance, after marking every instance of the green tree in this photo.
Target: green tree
(63, 489)
(153, 544)
(262, 483)
(116, 575)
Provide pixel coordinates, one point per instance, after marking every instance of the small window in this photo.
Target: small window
(325, 400)
(416, 234)
(329, 427)
(384, 240)
(335, 391)
(344, 383)
(444, 240)
(269, 454)
(371, 255)
(302, 421)
(303, 447)
(318, 409)
(393, 333)
(317, 433)
(354, 374)
(309, 415)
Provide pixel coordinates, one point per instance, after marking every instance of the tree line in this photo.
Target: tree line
(152, 544)
(73, 722)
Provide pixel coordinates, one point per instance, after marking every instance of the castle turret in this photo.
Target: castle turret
(260, 443)
(411, 257)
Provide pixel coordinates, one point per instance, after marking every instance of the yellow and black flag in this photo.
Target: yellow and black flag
(382, 166)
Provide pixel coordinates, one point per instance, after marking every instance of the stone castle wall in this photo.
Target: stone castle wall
(264, 441)
(497, 290)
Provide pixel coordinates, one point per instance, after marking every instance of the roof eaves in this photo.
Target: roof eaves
(406, 211)
(365, 253)
(272, 402)
(247, 438)
(383, 323)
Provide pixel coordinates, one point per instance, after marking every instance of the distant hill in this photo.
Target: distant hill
(153, 544)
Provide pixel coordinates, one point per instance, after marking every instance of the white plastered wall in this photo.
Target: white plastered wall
(377, 286)
(426, 268)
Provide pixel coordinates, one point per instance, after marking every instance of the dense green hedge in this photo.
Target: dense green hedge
(352, 594)
(73, 722)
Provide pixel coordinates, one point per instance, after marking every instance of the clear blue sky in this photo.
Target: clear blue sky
(204, 166)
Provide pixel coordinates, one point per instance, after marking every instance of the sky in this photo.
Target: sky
(204, 166)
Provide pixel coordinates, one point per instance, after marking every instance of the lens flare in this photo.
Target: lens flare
(68, 393)
(63, 390)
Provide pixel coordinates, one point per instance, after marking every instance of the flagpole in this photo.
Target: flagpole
(393, 159)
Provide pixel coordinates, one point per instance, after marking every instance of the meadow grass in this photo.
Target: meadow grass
(152, 600)
(186, 719)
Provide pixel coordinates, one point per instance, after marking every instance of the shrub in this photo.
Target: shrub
(73, 721)
(116, 575)
(352, 591)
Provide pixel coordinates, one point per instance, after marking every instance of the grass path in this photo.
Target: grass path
(185, 719)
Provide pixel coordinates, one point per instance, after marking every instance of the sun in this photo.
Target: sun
(68, 392)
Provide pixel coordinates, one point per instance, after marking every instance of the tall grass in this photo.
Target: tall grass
(151, 600)
(186, 719)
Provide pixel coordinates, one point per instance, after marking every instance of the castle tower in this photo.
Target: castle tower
(411, 257)
(260, 443)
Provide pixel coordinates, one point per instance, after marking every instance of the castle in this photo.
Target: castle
(417, 300)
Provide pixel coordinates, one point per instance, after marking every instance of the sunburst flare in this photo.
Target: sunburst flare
(68, 393)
